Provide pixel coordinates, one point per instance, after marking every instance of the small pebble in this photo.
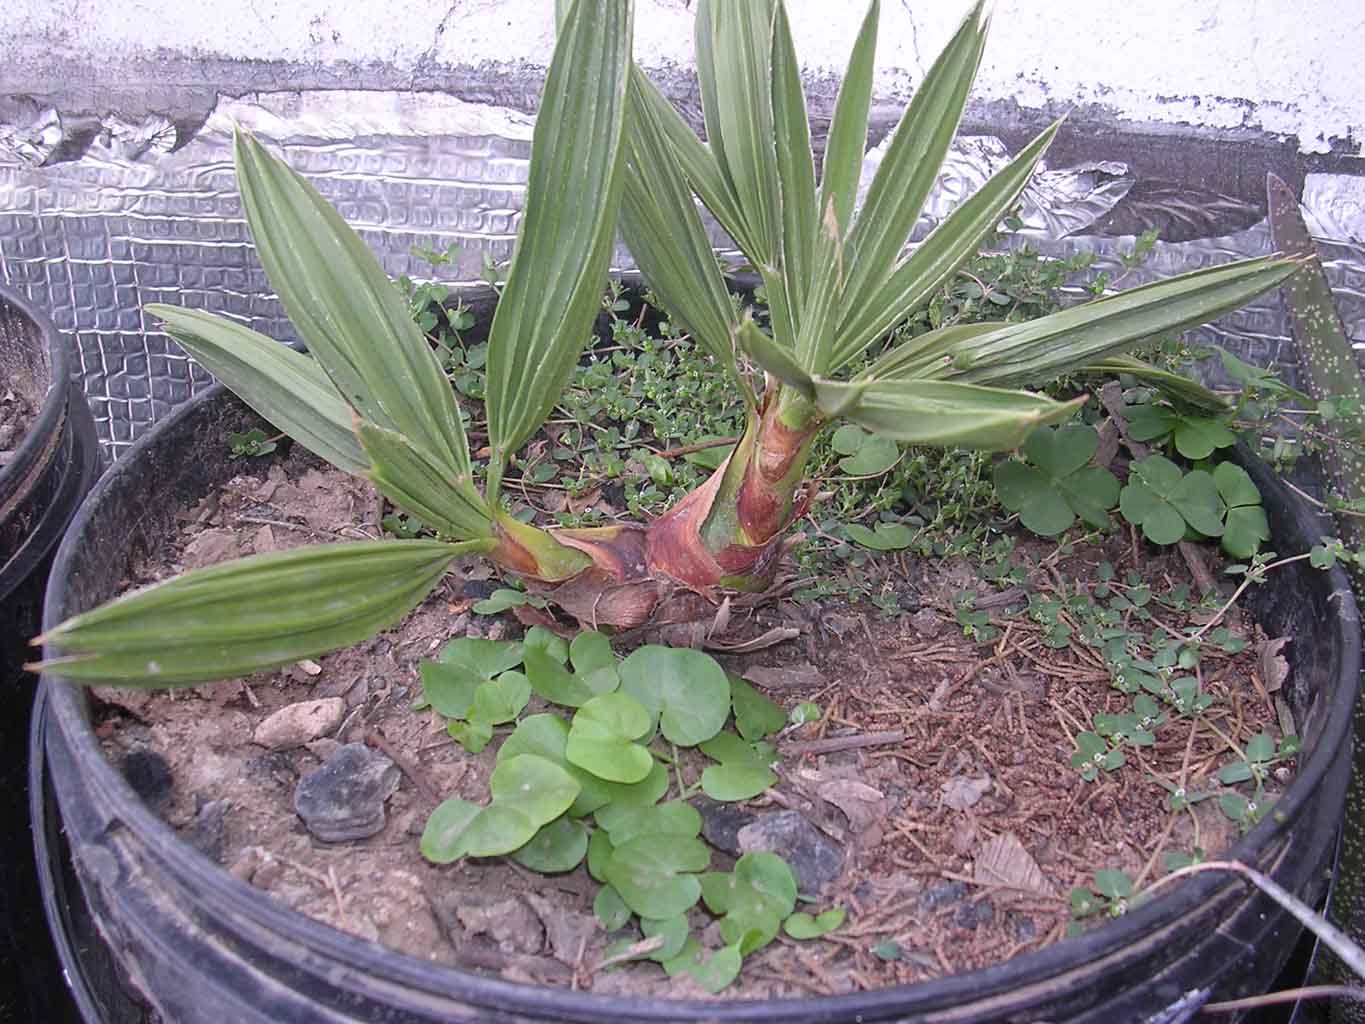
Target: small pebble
(207, 833)
(296, 724)
(942, 894)
(343, 799)
(972, 914)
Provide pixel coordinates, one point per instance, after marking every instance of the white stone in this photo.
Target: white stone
(296, 724)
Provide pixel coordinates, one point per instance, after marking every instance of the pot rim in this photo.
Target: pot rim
(52, 411)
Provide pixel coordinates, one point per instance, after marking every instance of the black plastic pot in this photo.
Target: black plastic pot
(203, 946)
(41, 484)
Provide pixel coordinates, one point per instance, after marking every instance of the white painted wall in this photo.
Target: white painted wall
(1288, 68)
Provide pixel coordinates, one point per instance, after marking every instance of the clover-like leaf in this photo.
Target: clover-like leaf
(502, 599)
(557, 847)
(449, 688)
(1195, 437)
(883, 536)
(441, 837)
(551, 680)
(744, 770)
(600, 849)
(528, 792)
(555, 646)
(1164, 501)
(1245, 526)
(485, 658)
(1112, 884)
(591, 654)
(685, 689)
(755, 898)
(712, 974)
(1058, 486)
(500, 700)
(601, 739)
(756, 714)
(624, 822)
(864, 454)
(655, 874)
(803, 926)
(1094, 754)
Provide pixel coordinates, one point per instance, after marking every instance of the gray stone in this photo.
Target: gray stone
(973, 913)
(207, 833)
(942, 894)
(721, 822)
(814, 858)
(344, 797)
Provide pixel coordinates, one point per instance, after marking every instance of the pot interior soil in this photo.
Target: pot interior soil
(939, 771)
(17, 410)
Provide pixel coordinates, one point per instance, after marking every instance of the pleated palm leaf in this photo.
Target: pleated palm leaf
(372, 400)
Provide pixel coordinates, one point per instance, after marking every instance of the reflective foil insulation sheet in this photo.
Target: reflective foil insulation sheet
(100, 216)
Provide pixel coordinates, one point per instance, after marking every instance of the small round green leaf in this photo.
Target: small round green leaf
(730, 782)
(555, 646)
(590, 651)
(600, 850)
(874, 457)
(1197, 437)
(557, 847)
(610, 910)
(536, 786)
(714, 974)
(686, 689)
(500, 700)
(625, 822)
(674, 933)
(441, 837)
(848, 438)
(1195, 497)
(654, 876)
(803, 926)
(485, 658)
(756, 715)
(885, 536)
(553, 681)
(600, 738)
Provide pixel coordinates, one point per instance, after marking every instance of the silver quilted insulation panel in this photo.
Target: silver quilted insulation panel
(133, 215)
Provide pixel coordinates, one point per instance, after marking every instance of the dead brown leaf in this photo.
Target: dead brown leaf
(962, 791)
(1274, 667)
(1004, 861)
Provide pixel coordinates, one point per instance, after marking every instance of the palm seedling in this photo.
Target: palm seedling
(372, 400)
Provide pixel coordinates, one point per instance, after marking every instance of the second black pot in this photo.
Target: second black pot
(42, 481)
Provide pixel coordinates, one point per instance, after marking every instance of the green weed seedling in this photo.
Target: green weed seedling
(589, 781)
(1111, 894)
(1095, 754)
(863, 454)
(252, 444)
